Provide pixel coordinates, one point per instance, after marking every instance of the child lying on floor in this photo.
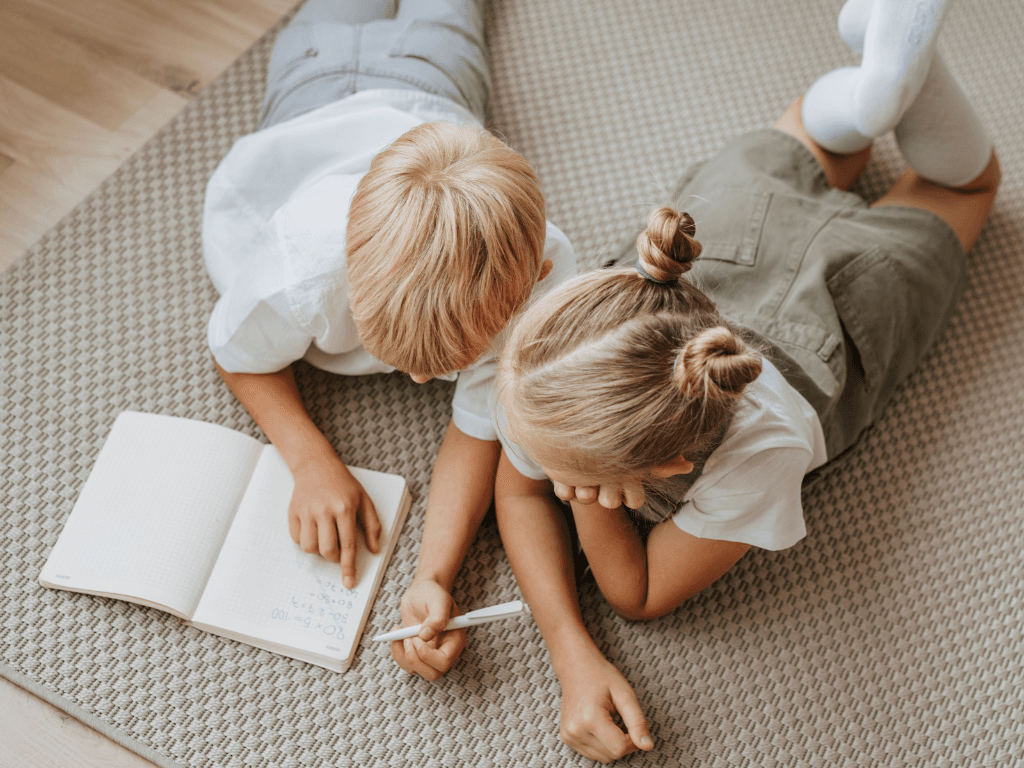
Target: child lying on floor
(370, 225)
(700, 384)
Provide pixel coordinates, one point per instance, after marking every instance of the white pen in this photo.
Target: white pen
(480, 616)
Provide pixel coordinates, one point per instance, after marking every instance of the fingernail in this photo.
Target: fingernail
(646, 741)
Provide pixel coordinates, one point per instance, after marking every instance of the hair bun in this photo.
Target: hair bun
(667, 247)
(716, 364)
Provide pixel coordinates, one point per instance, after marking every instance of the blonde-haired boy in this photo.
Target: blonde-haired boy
(371, 224)
(446, 240)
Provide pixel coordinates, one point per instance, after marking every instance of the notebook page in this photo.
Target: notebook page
(265, 588)
(154, 511)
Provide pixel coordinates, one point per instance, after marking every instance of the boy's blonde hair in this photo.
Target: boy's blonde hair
(445, 242)
(615, 373)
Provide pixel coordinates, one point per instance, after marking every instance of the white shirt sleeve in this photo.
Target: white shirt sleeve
(757, 503)
(471, 405)
(519, 458)
(254, 335)
(252, 328)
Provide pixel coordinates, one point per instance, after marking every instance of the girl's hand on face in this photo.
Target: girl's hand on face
(328, 505)
(434, 651)
(609, 496)
(583, 494)
(592, 692)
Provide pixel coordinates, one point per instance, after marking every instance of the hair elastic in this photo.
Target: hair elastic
(644, 274)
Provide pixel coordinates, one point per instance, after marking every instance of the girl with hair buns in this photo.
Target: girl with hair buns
(678, 401)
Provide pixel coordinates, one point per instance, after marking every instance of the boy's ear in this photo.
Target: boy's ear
(545, 269)
(677, 465)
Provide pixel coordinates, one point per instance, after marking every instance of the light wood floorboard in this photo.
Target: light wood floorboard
(37, 735)
(83, 85)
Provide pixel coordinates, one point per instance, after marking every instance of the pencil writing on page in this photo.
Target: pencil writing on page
(471, 619)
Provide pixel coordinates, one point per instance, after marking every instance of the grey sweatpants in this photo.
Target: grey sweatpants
(334, 48)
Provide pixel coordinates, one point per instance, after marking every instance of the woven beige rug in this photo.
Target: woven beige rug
(891, 636)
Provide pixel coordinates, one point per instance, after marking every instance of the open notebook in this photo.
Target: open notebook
(191, 518)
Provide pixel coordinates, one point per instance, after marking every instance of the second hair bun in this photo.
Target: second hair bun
(717, 365)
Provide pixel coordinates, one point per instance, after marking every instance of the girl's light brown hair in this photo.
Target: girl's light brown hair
(445, 242)
(614, 373)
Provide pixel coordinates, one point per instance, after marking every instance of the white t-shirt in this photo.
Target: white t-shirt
(750, 488)
(274, 226)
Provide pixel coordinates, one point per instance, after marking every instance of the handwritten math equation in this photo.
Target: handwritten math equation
(324, 610)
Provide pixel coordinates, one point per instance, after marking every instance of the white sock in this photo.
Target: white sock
(828, 114)
(853, 23)
(828, 108)
(940, 135)
(898, 45)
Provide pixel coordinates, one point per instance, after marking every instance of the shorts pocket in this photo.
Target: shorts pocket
(811, 338)
(730, 225)
(875, 300)
(809, 355)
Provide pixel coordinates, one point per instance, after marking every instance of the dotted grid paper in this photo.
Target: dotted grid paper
(154, 511)
(264, 587)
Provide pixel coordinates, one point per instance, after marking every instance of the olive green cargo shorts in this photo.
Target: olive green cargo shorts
(846, 299)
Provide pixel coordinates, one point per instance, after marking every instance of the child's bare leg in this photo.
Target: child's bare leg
(840, 170)
(964, 208)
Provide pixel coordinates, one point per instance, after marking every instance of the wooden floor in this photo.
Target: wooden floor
(83, 84)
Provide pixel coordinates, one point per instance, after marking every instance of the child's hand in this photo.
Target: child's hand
(592, 691)
(610, 496)
(327, 506)
(433, 652)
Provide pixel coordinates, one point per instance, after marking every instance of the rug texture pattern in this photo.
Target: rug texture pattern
(892, 635)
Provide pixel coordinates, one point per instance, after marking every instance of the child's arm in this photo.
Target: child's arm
(327, 502)
(461, 489)
(536, 540)
(646, 582)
